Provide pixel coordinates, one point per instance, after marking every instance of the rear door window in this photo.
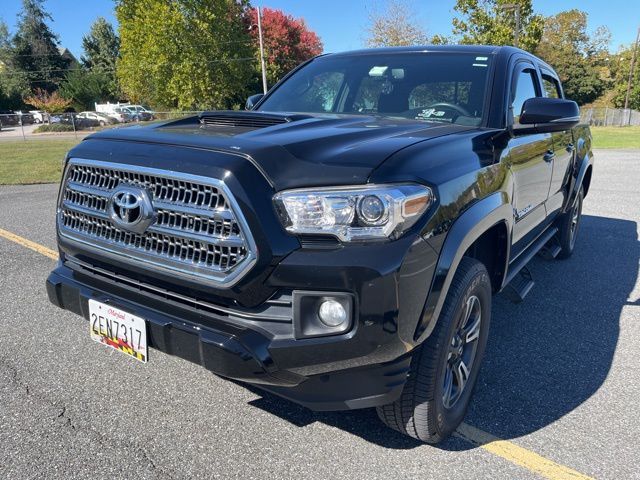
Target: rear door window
(551, 86)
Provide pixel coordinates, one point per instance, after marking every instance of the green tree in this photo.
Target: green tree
(493, 22)
(185, 53)
(395, 25)
(579, 59)
(35, 48)
(14, 84)
(85, 87)
(620, 71)
(101, 47)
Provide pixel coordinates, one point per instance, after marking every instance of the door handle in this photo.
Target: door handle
(570, 147)
(549, 156)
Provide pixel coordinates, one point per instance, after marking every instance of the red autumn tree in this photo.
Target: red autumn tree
(287, 41)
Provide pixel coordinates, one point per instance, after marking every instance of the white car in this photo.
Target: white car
(39, 116)
(102, 118)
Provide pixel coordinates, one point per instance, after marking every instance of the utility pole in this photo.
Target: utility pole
(516, 12)
(631, 67)
(264, 70)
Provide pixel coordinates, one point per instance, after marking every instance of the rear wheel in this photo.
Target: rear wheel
(569, 227)
(444, 369)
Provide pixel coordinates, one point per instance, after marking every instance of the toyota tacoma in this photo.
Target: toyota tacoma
(339, 242)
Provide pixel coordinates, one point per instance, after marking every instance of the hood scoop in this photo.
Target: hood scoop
(248, 120)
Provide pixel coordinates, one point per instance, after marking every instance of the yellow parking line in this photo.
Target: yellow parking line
(36, 247)
(502, 448)
(518, 455)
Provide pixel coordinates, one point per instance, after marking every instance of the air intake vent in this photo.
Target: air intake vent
(245, 119)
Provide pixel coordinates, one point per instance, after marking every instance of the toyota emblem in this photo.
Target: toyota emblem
(130, 208)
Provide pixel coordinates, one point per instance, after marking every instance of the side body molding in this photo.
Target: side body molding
(476, 220)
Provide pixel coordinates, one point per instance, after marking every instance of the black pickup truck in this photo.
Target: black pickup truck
(338, 243)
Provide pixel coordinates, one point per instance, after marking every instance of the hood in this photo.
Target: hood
(293, 151)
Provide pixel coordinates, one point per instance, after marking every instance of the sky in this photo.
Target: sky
(341, 24)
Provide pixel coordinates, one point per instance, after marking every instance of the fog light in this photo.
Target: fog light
(332, 313)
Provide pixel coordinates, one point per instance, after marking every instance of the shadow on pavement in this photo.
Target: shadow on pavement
(545, 356)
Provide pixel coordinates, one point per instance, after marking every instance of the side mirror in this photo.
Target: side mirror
(253, 100)
(545, 115)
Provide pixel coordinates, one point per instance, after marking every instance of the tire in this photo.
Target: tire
(569, 227)
(426, 410)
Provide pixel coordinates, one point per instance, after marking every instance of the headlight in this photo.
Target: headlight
(353, 213)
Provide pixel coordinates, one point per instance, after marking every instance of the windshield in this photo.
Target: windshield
(435, 87)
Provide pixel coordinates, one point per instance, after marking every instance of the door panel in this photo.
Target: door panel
(563, 149)
(531, 172)
(531, 163)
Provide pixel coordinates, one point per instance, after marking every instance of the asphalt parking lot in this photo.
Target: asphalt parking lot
(560, 382)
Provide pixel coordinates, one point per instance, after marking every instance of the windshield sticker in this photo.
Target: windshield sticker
(429, 112)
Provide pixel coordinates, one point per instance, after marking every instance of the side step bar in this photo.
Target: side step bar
(519, 278)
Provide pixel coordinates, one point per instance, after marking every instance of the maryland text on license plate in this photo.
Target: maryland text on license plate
(118, 329)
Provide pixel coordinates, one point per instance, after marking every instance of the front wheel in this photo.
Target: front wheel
(444, 369)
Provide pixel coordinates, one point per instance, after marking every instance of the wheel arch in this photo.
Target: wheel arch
(583, 170)
(486, 221)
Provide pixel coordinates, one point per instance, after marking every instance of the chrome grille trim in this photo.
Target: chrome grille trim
(198, 232)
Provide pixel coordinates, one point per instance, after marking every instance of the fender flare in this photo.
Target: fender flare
(476, 220)
(585, 163)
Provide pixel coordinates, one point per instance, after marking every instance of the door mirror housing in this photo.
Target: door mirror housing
(253, 100)
(545, 115)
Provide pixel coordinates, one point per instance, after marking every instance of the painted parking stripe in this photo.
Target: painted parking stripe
(518, 455)
(502, 448)
(36, 247)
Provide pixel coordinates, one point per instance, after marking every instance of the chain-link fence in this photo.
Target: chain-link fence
(35, 124)
(609, 117)
(38, 124)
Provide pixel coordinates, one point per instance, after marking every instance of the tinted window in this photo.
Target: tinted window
(525, 89)
(551, 86)
(422, 86)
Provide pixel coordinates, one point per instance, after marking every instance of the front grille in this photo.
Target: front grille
(196, 230)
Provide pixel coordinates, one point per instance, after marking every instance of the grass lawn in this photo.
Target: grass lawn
(616, 137)
(33, 161)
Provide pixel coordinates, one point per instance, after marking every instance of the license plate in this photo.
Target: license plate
(118, 329)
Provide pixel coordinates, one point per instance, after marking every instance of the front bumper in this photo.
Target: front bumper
(364, 367)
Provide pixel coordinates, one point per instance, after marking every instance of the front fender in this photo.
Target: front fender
(469, 226)
(584, 160)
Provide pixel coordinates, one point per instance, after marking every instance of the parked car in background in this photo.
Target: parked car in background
(138, 113)
(80, 123)
(120, 114)
(102, 118)
(25, 118)
(9, 117)
(39, 116)
(141, 108)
